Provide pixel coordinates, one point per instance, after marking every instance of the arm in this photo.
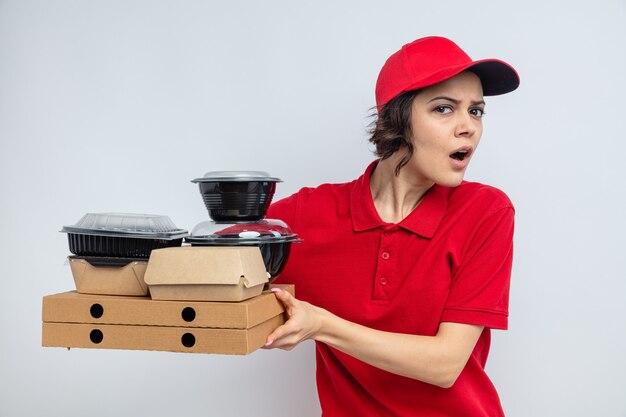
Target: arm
(435, 359)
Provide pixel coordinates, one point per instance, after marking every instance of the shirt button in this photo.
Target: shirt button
(383, 281)
(385, 255)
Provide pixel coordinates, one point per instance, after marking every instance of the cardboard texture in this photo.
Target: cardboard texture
(126, 280)
(206, 273)
(72, 307)
(171, 339)
(78, 320)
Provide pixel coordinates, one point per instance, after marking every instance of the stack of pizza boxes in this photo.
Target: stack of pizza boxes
(143, 284)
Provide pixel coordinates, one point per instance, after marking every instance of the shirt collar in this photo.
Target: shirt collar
(422, 221)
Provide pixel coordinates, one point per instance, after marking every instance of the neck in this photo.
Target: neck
(396, 196)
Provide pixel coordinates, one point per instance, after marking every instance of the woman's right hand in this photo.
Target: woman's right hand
(303, 323)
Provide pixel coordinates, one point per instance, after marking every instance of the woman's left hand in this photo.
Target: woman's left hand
(304, 322)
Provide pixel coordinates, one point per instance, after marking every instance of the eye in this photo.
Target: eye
(443, 109)
(477, 112)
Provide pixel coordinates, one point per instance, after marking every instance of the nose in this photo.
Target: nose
(467, 125)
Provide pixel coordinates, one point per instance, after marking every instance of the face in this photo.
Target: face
(446, 124)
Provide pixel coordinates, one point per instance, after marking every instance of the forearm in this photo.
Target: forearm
(435, 360)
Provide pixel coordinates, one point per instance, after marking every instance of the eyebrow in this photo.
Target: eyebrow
(455, 101)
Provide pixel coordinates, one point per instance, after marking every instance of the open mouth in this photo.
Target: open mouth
(460, 155)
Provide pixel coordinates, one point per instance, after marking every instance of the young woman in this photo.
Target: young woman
(404, 271)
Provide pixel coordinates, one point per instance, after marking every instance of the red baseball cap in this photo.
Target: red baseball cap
(434, 59)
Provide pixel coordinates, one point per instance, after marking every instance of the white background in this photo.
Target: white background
(117, 105)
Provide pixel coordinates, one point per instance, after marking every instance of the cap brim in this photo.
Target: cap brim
(497, 77)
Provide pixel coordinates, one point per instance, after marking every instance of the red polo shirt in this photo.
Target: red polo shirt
(448, 261)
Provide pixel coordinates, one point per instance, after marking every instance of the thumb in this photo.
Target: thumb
(288, 300)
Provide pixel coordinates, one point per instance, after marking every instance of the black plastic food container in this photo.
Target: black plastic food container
(272, 237)
(116, 246)
(275, 252)
(109, 262)
(233, 196)
(122, 235)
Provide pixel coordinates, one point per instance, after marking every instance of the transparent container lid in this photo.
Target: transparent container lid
(236, 176)
(262, 231)
(126, 224)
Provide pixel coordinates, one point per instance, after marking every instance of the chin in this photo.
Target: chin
(451, 181)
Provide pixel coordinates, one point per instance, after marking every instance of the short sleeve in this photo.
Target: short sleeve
(284, 209)
(479, 290)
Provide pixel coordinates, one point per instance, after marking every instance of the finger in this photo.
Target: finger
(288, 300)
(282, 295)
(286, 342)
(279, 332)
(283, 344)
(283, 333)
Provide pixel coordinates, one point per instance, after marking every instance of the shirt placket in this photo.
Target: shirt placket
(384, 278)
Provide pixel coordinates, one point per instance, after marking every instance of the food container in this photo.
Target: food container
(237, 195)
(109, 276)
(273, 237)
(123, 235)
(206, 273)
